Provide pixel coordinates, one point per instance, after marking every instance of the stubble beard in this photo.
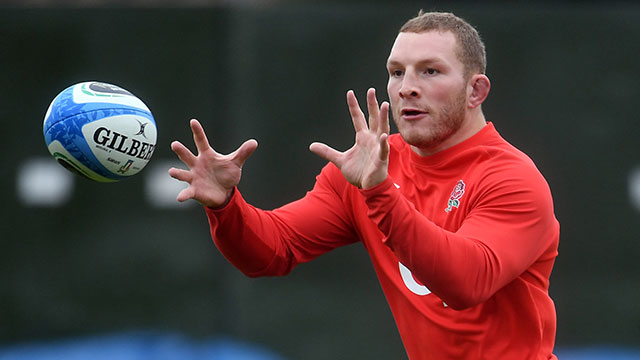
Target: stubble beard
(442, 124)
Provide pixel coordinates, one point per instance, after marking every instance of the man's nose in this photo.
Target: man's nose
(409, 87)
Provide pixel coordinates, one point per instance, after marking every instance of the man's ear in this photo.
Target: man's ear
(479, 86)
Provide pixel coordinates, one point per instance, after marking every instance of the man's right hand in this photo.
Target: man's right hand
(366, 163)
(211, 176)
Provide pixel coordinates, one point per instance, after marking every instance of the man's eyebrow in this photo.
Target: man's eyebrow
(391, 62)
(427, 61)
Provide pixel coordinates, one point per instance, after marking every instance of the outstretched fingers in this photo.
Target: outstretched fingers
(383, 122)
(384, 147)
(199, 136)
(378, 114)
(243, 152)
(357, 116)
(185, 155)
(186, 194)
(326, 152)
(374, 110)
(181, 174)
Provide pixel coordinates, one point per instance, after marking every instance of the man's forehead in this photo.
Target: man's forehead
(428, 44)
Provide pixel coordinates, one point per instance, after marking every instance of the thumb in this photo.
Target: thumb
(244, 151)
(326, 152)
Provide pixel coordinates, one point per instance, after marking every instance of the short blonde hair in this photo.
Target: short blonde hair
(471, 51)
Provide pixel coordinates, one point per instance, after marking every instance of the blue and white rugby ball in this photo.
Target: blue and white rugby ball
(100, 131)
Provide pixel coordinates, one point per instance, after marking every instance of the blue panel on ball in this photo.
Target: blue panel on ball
(64, 107)
(70, 136)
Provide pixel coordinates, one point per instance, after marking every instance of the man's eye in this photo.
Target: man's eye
(396, 73)
(431, 71)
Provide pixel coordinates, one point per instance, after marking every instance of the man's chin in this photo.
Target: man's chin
(426, 139)
(420, 140)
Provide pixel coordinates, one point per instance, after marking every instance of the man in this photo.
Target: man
(459, 224)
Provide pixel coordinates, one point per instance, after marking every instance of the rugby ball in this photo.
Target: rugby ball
(100, 131)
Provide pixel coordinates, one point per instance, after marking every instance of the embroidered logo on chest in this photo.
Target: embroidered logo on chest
(456, 194)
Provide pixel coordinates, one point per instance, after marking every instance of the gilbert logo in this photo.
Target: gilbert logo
(456, 194)
(142, 126)
(115, 141)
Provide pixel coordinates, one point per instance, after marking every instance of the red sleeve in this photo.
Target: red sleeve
(509, 228)
(272, 243)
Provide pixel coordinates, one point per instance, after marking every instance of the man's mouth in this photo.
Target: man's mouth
(411, 113)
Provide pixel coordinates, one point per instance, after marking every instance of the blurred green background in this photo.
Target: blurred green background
(109, 258)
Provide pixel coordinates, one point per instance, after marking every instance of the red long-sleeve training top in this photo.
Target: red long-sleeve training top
(463, 243)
